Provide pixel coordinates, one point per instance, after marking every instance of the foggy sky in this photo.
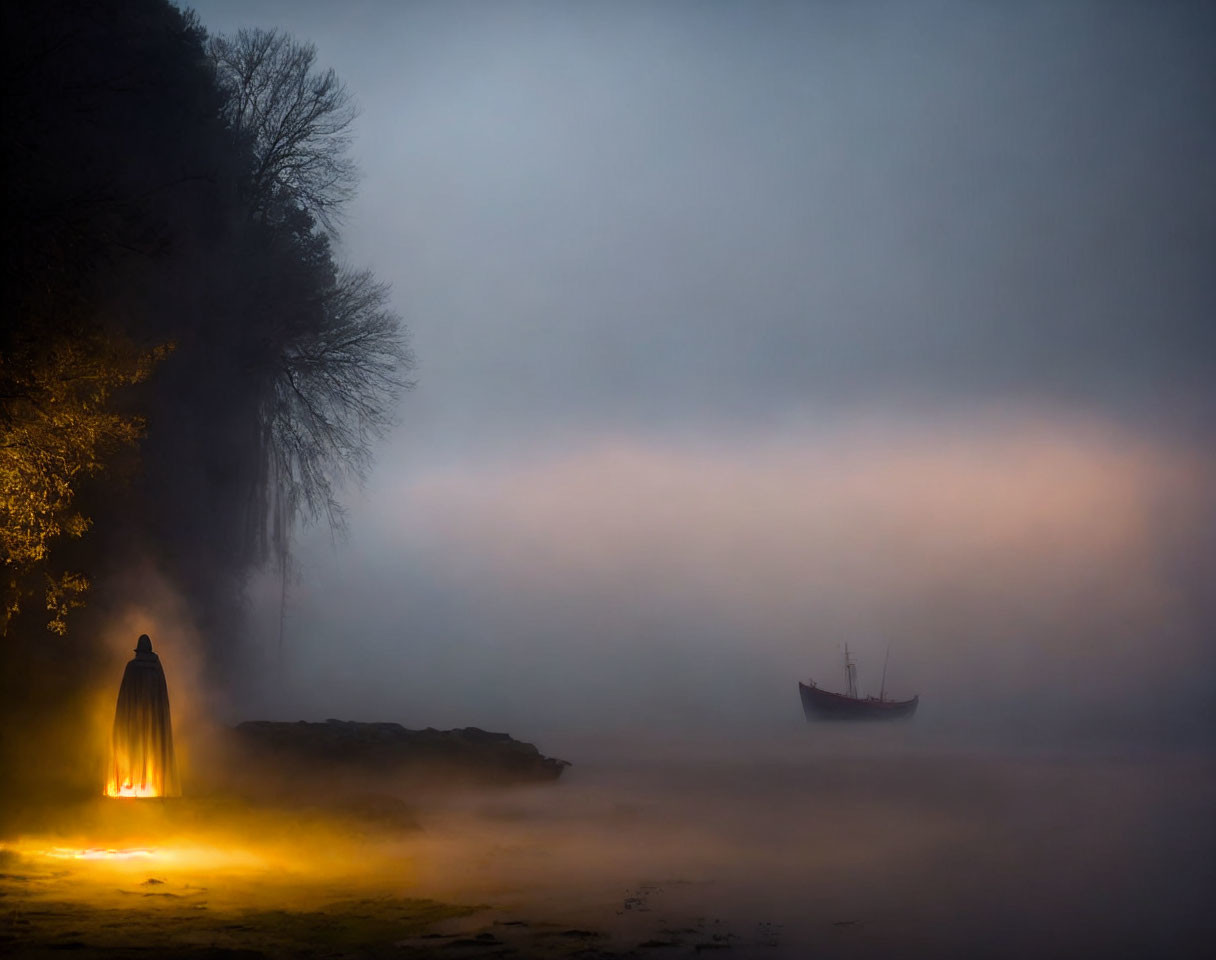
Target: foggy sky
(745, 330)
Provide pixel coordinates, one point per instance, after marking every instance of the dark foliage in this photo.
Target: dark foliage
(172, 231)
(293, 118)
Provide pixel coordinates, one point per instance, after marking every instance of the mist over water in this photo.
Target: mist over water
(644, 608)
(1037, 581)
(855, 852)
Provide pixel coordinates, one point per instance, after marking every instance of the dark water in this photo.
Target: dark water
(857, 854)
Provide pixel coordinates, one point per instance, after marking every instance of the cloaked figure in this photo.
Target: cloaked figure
(141, 749)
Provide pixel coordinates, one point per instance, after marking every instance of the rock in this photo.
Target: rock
(469, 754)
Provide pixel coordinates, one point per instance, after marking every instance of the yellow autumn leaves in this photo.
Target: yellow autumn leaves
(56, 429)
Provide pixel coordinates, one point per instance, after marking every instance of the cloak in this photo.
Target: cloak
(141, 748)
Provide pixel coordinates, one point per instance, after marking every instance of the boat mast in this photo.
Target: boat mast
(882, 693)
(850, 672)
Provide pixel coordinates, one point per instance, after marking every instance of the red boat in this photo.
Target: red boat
(819, 704)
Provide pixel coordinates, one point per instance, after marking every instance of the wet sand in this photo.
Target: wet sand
(945, 854)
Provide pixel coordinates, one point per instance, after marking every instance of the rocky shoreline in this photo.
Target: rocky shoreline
(470, 753)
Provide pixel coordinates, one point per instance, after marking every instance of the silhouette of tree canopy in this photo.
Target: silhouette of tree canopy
(294, 118)
(331, 397)
(186, 370)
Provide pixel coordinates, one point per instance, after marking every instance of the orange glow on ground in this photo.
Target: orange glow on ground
(97, 853)
(195, 842)
(188, 860)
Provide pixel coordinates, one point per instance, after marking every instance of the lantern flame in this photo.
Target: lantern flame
(127, 789)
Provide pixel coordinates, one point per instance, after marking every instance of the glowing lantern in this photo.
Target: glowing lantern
(141, 749)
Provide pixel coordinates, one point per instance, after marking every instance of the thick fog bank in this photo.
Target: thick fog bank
(1034, 579)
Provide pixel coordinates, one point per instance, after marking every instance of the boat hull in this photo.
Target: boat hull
(820, 704)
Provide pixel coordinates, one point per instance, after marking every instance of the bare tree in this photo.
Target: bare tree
(332, 395)
(294, 118)
(335, 392)
(338, 359)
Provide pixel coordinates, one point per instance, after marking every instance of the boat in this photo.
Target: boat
(820, 704)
